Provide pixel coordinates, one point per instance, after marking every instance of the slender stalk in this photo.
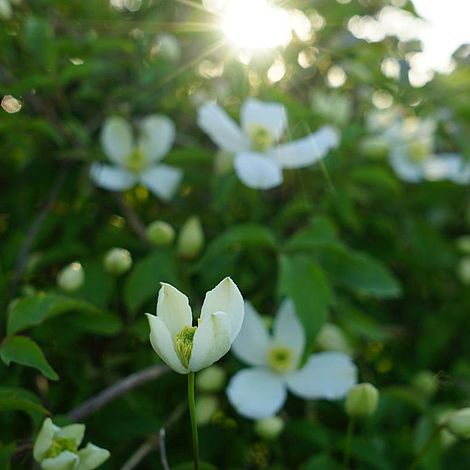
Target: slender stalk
(192, 414)
(427, 445)
(349, 435)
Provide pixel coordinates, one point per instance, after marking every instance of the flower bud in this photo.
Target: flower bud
(269, 428)
(211, 379)
(332, 338)
(463, 244)
(117, 261)
(161, 233)
(362, 400)
(191, 238)
(206, 407)
(458, 423)
(71, 277)
(463, 269)
(426, 383)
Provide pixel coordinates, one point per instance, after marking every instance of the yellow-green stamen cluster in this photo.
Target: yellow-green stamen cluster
(280, 359)
(59, 445)
(136, 161)
(261, 138)
(184, 344)
(418, 151)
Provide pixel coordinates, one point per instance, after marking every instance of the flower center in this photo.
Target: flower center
(59, 445)
(184, 344)
(136, 161)
(261, 138)
(280, 359)
(418, 152)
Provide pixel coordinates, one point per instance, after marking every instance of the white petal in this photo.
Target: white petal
(288, 331)
(162, 343)
(450, 166)
(156, 137)
(116, 139)
(92, 457)
(173, 309)
(112, 178)
(162, 180)
(211, 341)
(327, 375)
(66, 460)
(306, 151)
(257, 171)
(252, 343)
(257, 393)
(404, 168)
(44, 439)
(225, 297)
(73, 432)
(221, 128)
(271, 116)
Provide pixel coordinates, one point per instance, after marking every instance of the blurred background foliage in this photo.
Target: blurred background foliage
(346, 239)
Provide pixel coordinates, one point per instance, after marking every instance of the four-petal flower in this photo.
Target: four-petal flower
(259, 157)
(260, 392)
(187, 348)
(138, 161)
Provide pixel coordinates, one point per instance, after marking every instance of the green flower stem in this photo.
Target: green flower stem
(349, 435)
(192, 413)
(427, 445)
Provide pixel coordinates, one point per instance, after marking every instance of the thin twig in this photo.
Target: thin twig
(116, 390)
(132, 217)
(34, 228)
(154, 442)
(163, 457)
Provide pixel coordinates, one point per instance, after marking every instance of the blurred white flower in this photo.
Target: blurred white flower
(259, 157)
(187, 348)
(57, 448)
(6, 11)
(260, 392)
(138, 161)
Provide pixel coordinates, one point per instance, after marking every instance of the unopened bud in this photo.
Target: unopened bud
(458, 423)
(426, 382)
(161, 233)
(269, 428)
(191, 238)
(463, 269)
(332, 338)
(206, 407)
(211, 379)
(362, 400)
(117, 261)
(71, 277)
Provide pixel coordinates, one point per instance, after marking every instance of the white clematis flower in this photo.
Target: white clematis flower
(259, 157)
(260, 392)
(187, 348)
(57, 448)
(138, 161)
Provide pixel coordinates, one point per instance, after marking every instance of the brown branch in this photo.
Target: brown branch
(34, 228)
(116, 390)
(133, 218)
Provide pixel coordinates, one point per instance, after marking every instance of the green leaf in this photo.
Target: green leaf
(303, 281)
(26, 352)
(360, 272)
(143, 282)
(6, 453)
(320, 234)
(236, 239)
(19, 399)
(31, 311)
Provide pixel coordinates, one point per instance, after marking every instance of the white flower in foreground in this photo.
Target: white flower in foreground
(187, 348)
(138, 161)
(260, 392)
(57, 448)
(259, 157)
